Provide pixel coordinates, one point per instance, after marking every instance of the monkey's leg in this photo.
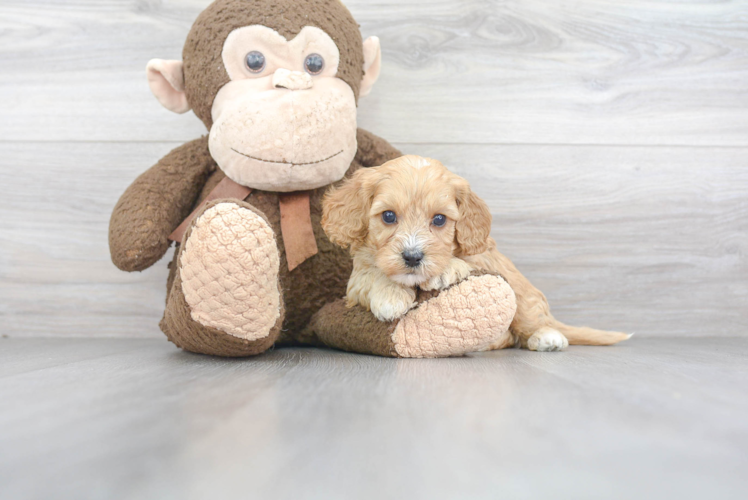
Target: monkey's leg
(473, 315)
(224, 298)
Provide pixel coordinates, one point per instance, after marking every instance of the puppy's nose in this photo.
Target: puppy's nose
(412, 258)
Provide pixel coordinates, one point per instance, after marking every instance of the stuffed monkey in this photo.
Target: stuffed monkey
(276, 83)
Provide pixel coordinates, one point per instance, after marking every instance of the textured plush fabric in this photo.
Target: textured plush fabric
(203, 67)
(287, 55)
(467, 317)
(350, 329)
(284, 141)
(225, 189)
(373, 151)
(229, 270)
(166, 79)
(318, 281)
(190, 335)
(155, 204)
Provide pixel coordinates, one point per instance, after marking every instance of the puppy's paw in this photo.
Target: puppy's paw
(547, 339)
(457, 271)
(392, 302)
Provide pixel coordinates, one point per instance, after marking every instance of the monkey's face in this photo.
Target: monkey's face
(277, 84)
(284, 122)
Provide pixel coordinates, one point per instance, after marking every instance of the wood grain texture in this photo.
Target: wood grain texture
(641, 239)
(124, 419)
(609, 138)
(475, 71)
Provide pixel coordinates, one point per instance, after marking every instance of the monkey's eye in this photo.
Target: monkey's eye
(314, 64)
(439, 220)
(255, 61)
(389, 217)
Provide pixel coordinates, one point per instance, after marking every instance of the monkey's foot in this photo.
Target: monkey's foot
(471, 316)
(224, 296)
(229, 269)
(547, 339)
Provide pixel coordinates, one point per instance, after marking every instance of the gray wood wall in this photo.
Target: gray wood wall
(609, 137)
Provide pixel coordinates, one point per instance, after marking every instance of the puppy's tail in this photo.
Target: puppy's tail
(581, 335)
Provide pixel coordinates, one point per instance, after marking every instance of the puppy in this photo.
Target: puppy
(412, 223)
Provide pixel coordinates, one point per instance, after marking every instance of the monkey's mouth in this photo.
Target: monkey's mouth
(286, 162)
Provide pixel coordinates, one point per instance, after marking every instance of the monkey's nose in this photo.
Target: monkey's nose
(412, 258)
(292, 80)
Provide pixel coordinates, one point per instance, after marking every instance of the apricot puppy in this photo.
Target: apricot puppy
(407, 223)
(412, 223)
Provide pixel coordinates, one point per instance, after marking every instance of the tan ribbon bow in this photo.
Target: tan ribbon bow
(296, 220)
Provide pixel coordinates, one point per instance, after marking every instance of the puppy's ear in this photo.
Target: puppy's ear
(474, 227)
(345, 209)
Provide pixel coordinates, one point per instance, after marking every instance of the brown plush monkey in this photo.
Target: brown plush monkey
(277, 84)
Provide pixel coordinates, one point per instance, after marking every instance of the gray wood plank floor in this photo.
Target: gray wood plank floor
(651, 418)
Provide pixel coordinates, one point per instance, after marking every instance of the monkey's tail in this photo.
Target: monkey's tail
(581, 335)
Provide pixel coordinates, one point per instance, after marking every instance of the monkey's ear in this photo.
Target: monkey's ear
(166, 80)
(372, 65)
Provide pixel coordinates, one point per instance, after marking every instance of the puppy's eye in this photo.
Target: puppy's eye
(314, 64)
(439, 220)
(389, 217)
(255, 61)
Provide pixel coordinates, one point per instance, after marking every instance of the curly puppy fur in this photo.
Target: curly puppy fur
(422, 193)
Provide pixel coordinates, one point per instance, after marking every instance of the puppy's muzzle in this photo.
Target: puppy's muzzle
(412, 258)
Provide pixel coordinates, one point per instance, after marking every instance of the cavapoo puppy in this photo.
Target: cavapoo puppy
(412, 223)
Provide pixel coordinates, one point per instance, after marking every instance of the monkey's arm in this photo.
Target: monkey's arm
(374, 151)
(155, 204)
